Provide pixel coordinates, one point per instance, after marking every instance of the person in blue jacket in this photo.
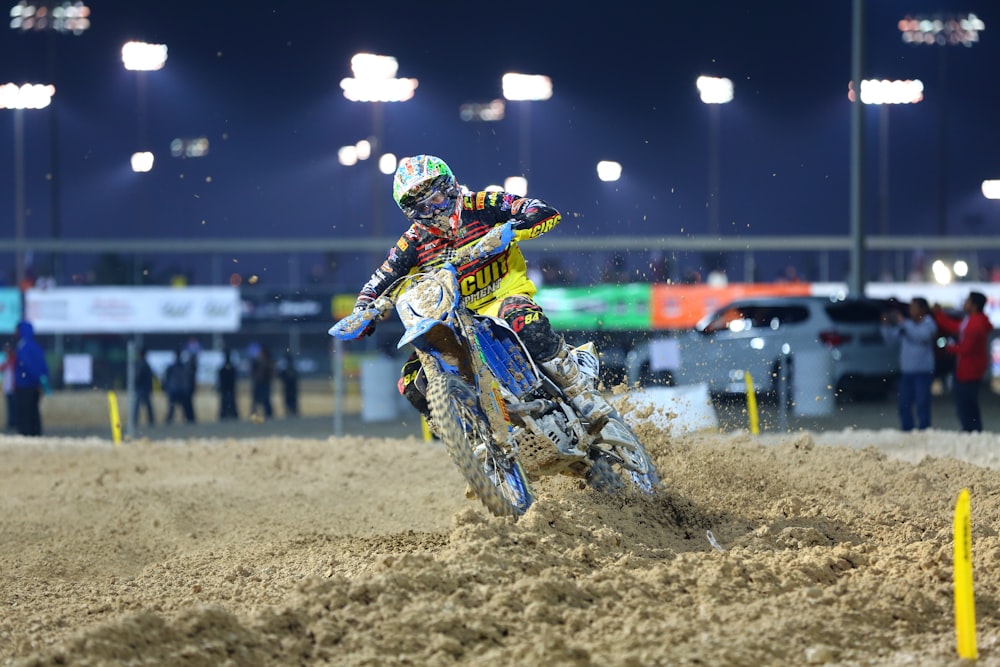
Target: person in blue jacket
(916, 337)
(31, 379)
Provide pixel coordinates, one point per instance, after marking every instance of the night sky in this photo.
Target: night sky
(261, 81)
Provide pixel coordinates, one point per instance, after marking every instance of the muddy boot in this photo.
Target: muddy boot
(578, 388)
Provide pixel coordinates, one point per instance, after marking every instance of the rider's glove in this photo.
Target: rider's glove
(370, 327)
(495, 240)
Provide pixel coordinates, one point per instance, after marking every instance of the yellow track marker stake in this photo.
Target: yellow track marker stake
(752, 404)
(965, 603)
(116, 422)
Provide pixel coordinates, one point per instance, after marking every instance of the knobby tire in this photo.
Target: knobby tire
(463, 428)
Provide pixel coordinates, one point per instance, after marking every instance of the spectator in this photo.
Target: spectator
(31, 379)
(916, 337)
(226, 386)
(971, 353)
(176, 383)
(262, 376)
(290, 384)
(7, 363)
(191, 368)
(143, 390)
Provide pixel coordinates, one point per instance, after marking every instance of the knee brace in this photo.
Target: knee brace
(528, 320)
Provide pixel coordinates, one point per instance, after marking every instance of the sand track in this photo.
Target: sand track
(358, 551)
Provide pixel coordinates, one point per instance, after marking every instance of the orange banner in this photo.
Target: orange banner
(681, 306)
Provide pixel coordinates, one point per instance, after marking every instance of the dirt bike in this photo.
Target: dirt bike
(502, 420)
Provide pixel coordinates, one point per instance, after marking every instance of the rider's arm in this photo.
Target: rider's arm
(402, 257)
(530, 217)
(949, 325)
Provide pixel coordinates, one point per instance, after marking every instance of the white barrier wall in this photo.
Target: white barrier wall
(86, 310)
(677, 410)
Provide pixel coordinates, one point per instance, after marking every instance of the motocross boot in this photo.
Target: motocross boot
(587, 401)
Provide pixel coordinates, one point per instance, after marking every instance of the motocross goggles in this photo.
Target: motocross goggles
(430, 199)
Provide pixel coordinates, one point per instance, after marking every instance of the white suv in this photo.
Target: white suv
(756, 335)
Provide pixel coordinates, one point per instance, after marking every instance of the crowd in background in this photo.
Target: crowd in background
(179, 383)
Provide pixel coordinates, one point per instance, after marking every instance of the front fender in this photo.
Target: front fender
(417, 330)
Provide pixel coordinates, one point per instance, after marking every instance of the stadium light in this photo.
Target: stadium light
(526, 88)
(942, 31)
(47, 16)
(144, 57)
(885, 93)
(375, 82)
(517, 185)
(608, 170)
(142, 162)
(714, 91)
(42, 16)
(189, 147)
(477, 111)
(387, 163)
(19, 98)
(347, 156)
(141, 58)
(991, 188)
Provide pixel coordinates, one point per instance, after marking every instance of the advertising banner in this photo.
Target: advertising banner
(681, 306)
(126, 310)
(285, 308)
(602, 307)
(10, 309)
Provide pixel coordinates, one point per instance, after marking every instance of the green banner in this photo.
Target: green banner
(609, 307)
(10, 309)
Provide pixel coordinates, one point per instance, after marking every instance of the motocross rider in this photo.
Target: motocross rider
(443, 219)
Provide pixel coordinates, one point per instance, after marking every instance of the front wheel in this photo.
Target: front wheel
(495, 477)
(622, 457)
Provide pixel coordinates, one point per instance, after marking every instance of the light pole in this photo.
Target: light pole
(19, 98)
(526, 88)
(142, 57)
(375, 82)
(54, 18)
(714, 91)
(884, 93)
(942, 31)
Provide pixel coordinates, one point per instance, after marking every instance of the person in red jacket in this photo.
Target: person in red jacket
(971, 351)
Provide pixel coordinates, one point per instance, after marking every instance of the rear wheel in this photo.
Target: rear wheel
(495, 477)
